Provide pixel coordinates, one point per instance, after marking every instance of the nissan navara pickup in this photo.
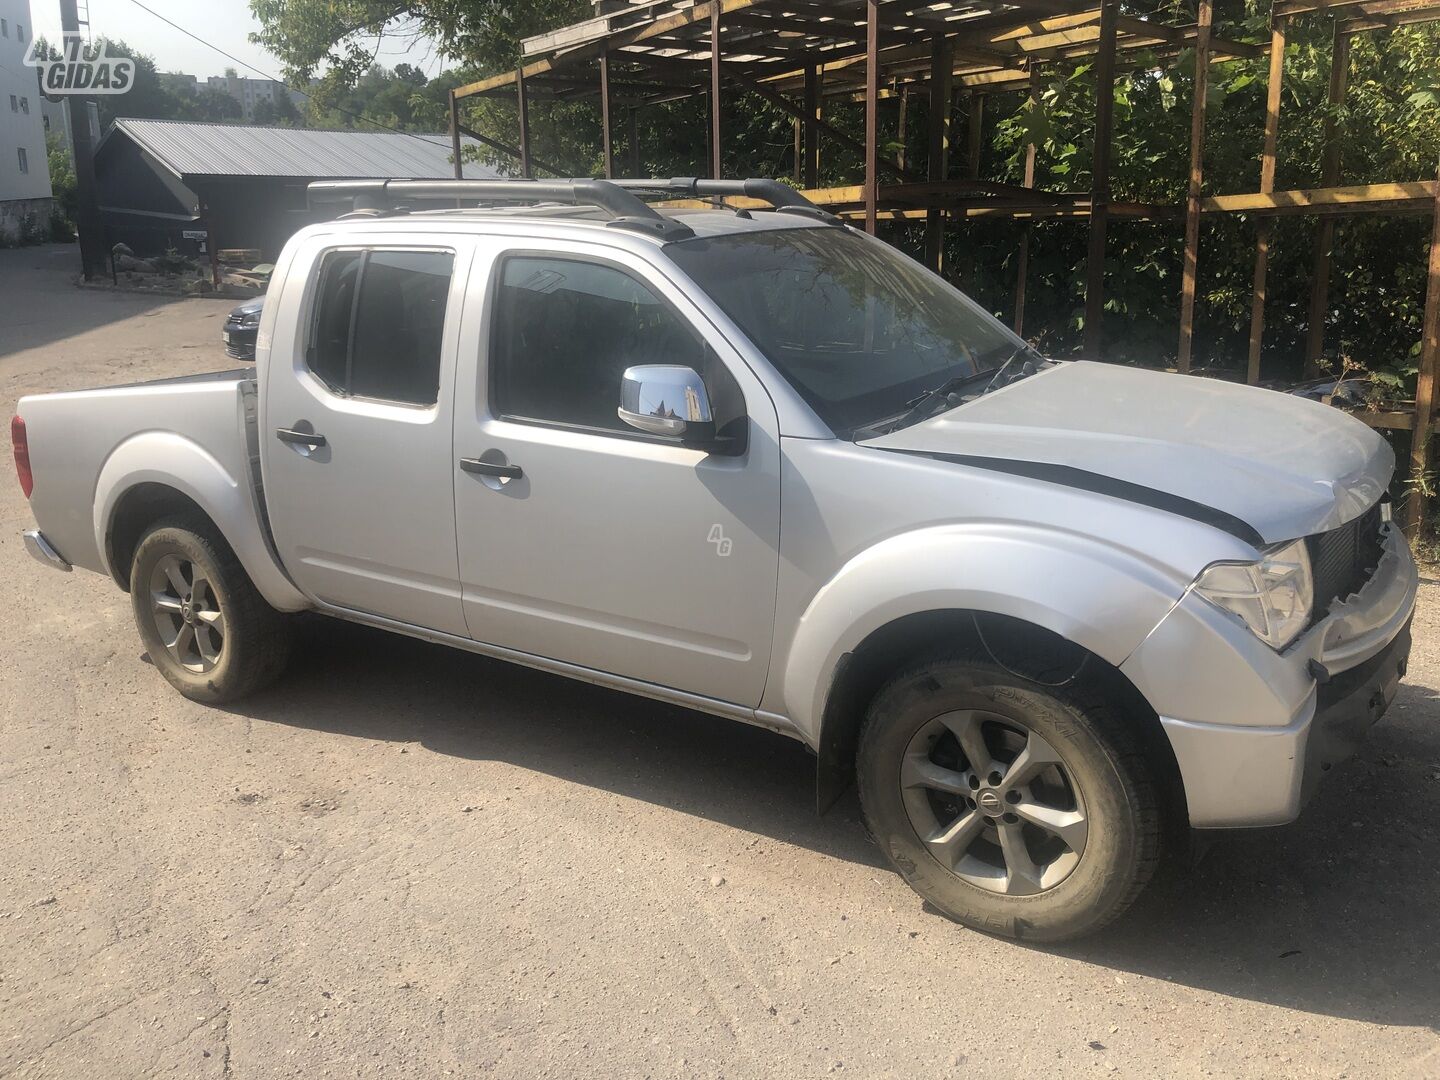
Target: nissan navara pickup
(1048, 616)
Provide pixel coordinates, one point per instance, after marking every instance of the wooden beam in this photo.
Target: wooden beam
(1267, 185)
(872, 112)
(522, 96)
(1329, 177)
(614, 43)
(1022, 258)
(1357, 198)
(938, 167)
(606, 149)
(1100, 181)
(715, 155)
(811, 122)
(1425, 388)
(1190, 264)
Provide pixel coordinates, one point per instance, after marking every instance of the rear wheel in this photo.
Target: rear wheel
(1015, 807)
(203, 623)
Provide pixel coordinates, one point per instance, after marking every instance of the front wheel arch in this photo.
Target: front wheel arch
(1022, 647)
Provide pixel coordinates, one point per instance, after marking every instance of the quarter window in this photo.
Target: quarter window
(566, 330)
(378, 325)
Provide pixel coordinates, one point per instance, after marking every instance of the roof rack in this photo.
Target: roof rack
(616, 196)
(781, 197)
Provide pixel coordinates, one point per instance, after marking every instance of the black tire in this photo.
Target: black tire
(1100, 768)
(251, 641)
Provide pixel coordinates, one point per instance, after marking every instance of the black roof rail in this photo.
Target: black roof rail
(781, 197)
(627, 211)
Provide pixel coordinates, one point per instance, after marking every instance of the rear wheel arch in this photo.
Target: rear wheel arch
(136, 511)
(1022, 647)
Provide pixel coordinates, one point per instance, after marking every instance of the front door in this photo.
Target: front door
(356, 432)
(605, 547)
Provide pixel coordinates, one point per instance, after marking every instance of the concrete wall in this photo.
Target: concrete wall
(23, 220)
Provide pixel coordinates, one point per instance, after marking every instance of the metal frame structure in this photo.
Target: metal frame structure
(802, 56)
(1326, 203)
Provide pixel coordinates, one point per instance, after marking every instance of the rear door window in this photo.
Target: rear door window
(379, 324)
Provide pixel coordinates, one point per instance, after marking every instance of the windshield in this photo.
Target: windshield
(858, 329)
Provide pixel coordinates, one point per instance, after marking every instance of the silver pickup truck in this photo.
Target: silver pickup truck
(1049, 616)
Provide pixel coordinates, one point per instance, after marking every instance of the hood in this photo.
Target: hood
(1280, 465)
(250, 307)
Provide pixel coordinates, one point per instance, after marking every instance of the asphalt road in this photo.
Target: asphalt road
(404, 861)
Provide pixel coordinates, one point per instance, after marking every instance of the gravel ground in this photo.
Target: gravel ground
(405, 861)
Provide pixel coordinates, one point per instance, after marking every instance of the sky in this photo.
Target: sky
(224, 23)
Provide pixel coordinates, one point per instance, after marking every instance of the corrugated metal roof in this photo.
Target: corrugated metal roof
(191, 149)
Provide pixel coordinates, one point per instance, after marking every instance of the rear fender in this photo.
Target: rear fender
(173, 461)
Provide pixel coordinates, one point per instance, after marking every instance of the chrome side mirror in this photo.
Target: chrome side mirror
(664, 399)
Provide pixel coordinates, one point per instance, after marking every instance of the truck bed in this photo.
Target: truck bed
(74, 435)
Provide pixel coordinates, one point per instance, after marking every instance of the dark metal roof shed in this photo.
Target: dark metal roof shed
(232, 150)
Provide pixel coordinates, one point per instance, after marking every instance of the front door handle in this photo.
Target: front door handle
(490, 468)
(313, 439)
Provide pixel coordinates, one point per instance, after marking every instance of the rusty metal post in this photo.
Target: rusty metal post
(872, 114)
(715, 155)
(605, 148)
(812, 127)
(900, 125)
(455, 136)
(632, 139)
(522, 96)
(1425, 388)
(1100, 180)
(941, 68)
(1022, 259)
(1329, 177)
(1267, 184)
(1192, 198)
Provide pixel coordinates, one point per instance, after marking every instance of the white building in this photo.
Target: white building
(24, 169)
(248, 92)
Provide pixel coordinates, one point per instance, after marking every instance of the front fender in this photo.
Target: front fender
(173, 461)
(1096, 595)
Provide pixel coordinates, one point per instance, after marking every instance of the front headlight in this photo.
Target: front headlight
(1273, 596)
(252, 319)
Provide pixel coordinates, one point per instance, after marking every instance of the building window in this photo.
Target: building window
(14, 103)
(19, 32)
(4, 28)
(25, 105)
(24, 160)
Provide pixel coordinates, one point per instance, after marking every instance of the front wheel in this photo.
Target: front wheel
(203, 623)
(1015, 807)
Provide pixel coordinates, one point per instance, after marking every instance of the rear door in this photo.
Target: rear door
(356, 429)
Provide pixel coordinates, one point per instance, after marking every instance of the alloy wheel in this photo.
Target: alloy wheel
(187, 613)
(993, 802)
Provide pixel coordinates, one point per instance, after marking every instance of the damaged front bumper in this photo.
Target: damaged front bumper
(1253, 729)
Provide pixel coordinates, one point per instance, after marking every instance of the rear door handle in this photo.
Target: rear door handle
(489, 468)
(312, 439)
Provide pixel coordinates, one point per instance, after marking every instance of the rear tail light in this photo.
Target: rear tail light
(21, 445)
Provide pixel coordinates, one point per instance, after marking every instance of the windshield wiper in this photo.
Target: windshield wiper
(919, 407)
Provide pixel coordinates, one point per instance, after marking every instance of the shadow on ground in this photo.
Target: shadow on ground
(1338, 914)
(43, 307)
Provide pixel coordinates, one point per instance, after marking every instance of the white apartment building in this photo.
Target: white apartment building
(24, 169)
(248, 92)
